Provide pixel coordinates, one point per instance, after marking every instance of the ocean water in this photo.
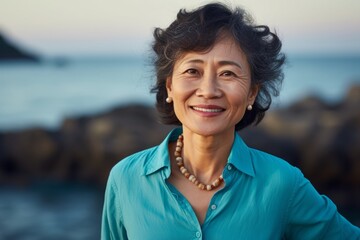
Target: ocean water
(44, 94)
(328, 77)
(60, 213)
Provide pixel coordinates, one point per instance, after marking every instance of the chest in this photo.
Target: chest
(165, 213)
(199, 200)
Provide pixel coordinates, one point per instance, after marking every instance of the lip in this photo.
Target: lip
(207, 110)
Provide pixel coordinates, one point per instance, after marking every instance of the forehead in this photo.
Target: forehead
(224, 49)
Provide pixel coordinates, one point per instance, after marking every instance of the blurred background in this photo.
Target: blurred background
(74, 100)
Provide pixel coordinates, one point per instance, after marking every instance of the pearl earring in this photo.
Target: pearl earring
(169, 100)
(249, 107)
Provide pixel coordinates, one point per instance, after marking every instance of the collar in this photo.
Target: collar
(160, 156)
(240, 156)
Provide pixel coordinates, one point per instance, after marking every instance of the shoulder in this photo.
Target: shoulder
(132, 166)
(130, 170)
(273, 169)
(266, 162)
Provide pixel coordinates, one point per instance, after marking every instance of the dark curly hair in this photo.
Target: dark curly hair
(198, 31)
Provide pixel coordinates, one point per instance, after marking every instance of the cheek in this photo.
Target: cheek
(237, 95)
(182, 91)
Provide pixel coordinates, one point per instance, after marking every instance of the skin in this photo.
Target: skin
(210, 91)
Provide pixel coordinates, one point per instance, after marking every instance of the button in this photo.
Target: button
(213, 207)
(229, 167)
(198, 234)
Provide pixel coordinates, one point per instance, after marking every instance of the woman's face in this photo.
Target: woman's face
(211, 90)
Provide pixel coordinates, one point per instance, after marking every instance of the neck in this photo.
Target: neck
(206, 156)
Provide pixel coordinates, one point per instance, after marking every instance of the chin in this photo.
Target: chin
(207, 131)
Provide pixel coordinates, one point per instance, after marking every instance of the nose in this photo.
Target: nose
(209, 87)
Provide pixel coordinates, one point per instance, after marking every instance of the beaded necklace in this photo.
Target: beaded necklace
(192, 178)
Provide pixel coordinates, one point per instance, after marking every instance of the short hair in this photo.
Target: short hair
(198, 31)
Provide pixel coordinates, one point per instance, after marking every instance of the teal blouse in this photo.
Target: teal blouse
(264, 197)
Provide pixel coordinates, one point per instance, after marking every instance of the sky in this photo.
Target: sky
(103, 27)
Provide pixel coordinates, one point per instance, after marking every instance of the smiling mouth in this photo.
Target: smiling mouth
(208, 110)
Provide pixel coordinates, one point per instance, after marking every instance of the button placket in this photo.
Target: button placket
(228, 171)
(213, 207)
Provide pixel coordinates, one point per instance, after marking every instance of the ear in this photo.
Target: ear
(169, 86)
(254, 90)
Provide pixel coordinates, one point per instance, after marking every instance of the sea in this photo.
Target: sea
(53, 212)
(43, 95)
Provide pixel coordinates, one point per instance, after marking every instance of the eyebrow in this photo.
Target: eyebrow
(221, 63)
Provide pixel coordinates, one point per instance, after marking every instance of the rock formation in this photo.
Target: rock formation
(322, 139)
(10, 52)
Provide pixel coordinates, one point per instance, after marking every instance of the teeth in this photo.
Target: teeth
(207, 109)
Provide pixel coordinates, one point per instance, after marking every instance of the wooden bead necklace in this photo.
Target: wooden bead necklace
(192, 178)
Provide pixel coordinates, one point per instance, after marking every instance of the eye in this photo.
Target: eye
(192, 71)
(228, 74)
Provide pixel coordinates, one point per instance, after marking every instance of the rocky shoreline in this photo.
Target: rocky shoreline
(322, 139)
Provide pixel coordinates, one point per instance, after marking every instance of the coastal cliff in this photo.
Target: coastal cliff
(9, 51)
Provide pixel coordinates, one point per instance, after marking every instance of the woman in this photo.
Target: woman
(216, 73)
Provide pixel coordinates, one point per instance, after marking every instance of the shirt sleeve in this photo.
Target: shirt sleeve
(112, 225)
(314, 216)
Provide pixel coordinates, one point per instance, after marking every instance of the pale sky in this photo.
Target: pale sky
(76, 27)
